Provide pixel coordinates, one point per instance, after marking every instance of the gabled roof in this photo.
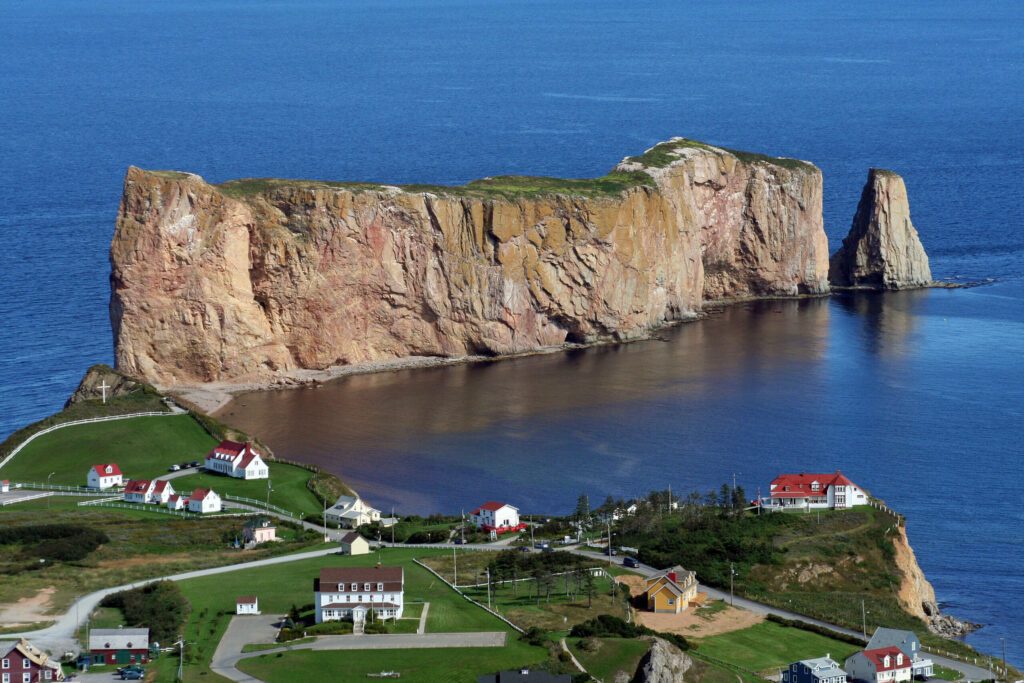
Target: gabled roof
(137, 486)
(107, 469)
(493, 506)
(799, 485)
(351, 537)
(331, 576)
(891, 637)
(231, 447)
(160, 484)
(200, 494)
(119, 639)
(249, 456)
(824, 667)
(877, 658)
(245, 600)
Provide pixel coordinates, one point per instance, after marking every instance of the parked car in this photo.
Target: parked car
(630, 562)
(524, 549)
(185, 466)
(459, 541)
(132, 675)
(173, 468)
(547, 549)
(541, 545)
(194, 463)
(130, 667)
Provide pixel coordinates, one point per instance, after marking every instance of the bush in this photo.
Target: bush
(54, 542)
(607, 626)
(159, 606)
(375, 627)
(534, 636)
(814, 628)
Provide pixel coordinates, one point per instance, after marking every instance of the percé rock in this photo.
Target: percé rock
(252, 279)
(663, 663)
(882, 249)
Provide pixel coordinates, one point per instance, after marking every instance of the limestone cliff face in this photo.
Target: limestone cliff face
(240, 284)
(882, 250)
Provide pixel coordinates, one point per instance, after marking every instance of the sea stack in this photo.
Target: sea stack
(882, 250)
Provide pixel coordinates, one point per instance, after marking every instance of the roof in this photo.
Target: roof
(228, 447)
(336, 575)
(34, 654)
(800, 484)
(524, 676)
(375, 605)
(891, 637)
(245, 600)
(108, 469)
(344, 501)
(877, 658)
(493, 506)
(824, 667)
(259, 523)
(351, 537)
(119, 639)
(200, 494)
(137, 485)
(249, 456)
(160, 485)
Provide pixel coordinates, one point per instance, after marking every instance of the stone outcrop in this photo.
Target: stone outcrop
(882, 249)
(248, 280)
(98, 376)
(663, 663)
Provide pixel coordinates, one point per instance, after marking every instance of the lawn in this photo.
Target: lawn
(287, 483)
(452, 665)
(605, 657)
(143, 447)
(281, 586)
(768, 646)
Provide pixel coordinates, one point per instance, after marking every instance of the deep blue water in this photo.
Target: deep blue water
(446, 91)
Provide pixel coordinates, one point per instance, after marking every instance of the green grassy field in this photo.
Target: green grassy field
(143, 447)
(604, 657)
(452, 665)
(287, 482)
(768, 646)
(281, 586)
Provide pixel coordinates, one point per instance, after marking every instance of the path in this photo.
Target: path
(572, 657)
(422, 628)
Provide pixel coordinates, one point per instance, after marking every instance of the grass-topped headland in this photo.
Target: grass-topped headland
(664, 153)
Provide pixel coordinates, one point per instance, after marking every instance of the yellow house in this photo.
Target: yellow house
(671, 591)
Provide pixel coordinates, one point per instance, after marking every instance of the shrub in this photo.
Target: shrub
(54, 542)
(814, 628)
(534, 636)
(159, 606)
(607, 626)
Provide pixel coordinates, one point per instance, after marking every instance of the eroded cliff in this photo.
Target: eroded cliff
(242, 281)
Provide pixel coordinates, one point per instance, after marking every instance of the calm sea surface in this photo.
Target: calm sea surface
(918, 396)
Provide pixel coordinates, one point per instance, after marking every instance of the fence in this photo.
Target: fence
(992, 665)
(87, 420)
(260, 504)
(469, 599)
(62, 488)
(162, 510)
(878, 505)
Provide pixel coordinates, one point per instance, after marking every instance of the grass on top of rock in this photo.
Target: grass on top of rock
(604, 658)
(508, 187)
(664, 153)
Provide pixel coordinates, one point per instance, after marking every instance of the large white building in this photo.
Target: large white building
(881, 665)
(104, 476)
(237, 460)
(497, 517)
(350, 512)
(352, 592)
(814, 492)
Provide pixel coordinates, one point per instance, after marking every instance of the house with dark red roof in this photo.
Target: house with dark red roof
(234, 459)
(496, 517)
(356, 593)
(880, 665)
(204, 501)
(814, 492)
(104, 476)
(138, 491)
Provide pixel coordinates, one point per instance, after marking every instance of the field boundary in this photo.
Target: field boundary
(480, 605)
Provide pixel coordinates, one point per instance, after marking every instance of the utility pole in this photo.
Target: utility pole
(1003, 641)
(325, 521)
(269, 489)
(488, 588)
(532, 544)
(864, 619)
(393, 525)
(609, 525)
(181, 656)
(759, 501)
(455, 565)
(462, 527)
(48, 486)
(732, 575)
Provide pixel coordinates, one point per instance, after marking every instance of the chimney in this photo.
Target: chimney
(672, 577)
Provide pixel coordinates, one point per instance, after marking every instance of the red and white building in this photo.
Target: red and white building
(5, 486)
(161, 493)
(23, 662)
(104, 476)
(204, 501)
(138, 491)
(814, 492)
(238, 460)
(177, 502)
(352, 592)
(497, 517)
(882, 665)
(113, 646)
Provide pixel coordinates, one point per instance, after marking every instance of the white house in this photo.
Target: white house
(259, 530)
(161, 493)
(138, 491)
(105, 476)
(814, 492)
(350, 512)
(497, 517)
(881, 665)
(204, 501)
(239, 460)
(5, 486)
(907, 641)
(176, 502)
(352, 592)
(247, 604)
(353, 543)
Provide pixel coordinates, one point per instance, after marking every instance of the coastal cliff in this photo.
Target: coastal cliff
(255, 278)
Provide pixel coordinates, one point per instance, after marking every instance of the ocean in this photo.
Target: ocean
(918, 396)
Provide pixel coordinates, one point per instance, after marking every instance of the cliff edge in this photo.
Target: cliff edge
(250, 279)
(882, 249)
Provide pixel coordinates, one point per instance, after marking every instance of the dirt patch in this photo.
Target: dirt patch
(637, 584)
(27, 611)
(697, 623)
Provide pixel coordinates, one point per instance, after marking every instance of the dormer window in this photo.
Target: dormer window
(380, 586)
(785, 488)
(899, 659)
(366, 587)
(815, 486)
(355, 586)
(885, 662)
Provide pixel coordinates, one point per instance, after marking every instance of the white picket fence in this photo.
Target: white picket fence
(72, 423)
(260, 504)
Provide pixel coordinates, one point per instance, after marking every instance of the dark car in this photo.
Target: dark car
(186, 465)
(132, 675)
(630, 562)
(524, 549)
(194, 463)
(547, 549)
(459, 541)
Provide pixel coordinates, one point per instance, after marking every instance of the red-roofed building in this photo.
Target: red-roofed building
(881, 665)
(497, 517)
(162, 491)
(138, 491)
(104, 476)
(5, 486)
(815, 491)
(204, 501)
(176, 502)
(237, 460)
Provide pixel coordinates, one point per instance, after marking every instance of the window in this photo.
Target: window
(355, 586)
(7, 678)
(366, 587)
(380, 586)
(26, 664)
(7, 664)
(49, 675)
(26, 678)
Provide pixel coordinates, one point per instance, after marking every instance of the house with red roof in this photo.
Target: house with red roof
(162, 491)
(814, 492)
(234, 459)
(880, 665)
(497, 517)
(177, 501)
(104, 476)
(138, 491)
(5, 486)
(356, 593)
(204, 501)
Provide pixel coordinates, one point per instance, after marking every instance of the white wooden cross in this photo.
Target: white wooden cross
(103, 388)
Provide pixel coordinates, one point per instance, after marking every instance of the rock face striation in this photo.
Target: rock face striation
(251, 279)
(663, 663)
(882, 250)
